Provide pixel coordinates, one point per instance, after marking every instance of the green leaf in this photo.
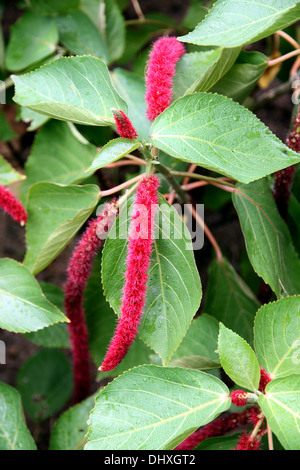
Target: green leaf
(80, 36)
(55, 214)
(69, 431)
(34, 119)
(23, 305)
(101, 321)
(114, 150)
(281, 406)
(268, 241)
(131, 88)
(238, 359)
(277, 337)
(232, 23)
(53, 336)
(174, 287)
(14, 434)
(152, 407)
(77, 89)
(45, 383)
(55, 7)
(33, 38)
(230, 300)
(219, 443)
(219, 134)
(6, 132)
(240, 80)
(201, 340)
(8, 174)
(199, 71)
(57, 156)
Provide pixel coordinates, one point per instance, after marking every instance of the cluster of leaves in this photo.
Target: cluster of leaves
(68, 76)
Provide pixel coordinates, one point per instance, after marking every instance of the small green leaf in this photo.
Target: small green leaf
(238, 359)
(14, 434)
(69, 431)
(33, 38)
(56, 213)
(268, 241)
(8, 174)
(114, 150)
(34, 119)
(77, 89)
(153, 407)
(230, 300)
(232, 23)
(277, 337)
(281, 406)
(55, 7)
(219, 134)
(23, 305)
(45, 383)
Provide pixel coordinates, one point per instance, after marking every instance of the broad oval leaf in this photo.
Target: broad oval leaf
(238, 359)
(268, 241)
(32, 39)
(114, 150)
(77, 89)
(153, 407)
(217, 133)
(174, 287)
(14, 434)
(281, 406)
(55, 214)
(277, 337)
(232, 23)
(24, 307)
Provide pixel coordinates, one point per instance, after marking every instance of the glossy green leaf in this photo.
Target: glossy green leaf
(230, 300)
(174, 287)
(238, 359)
(56, 213)
(232, 23)
(79, 35)
(69, 431)
(131, 88)
(8, 174)
(77, 89)
(14, 434)
(268, 241)
(277, 337)
(114, 150)
(156, 408)
(63, 159)
(199, 71)
(23, 304)
(55, 7)
(281, 406)
(217, 133)
(33, 38)
(45, 383)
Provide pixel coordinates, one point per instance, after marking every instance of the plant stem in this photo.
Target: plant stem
(288, 38)
(283, 58)
(138, 9)
(116, 189)
(172, 181)
(200, 177)
(270, 437)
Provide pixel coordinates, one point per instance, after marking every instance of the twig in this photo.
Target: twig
(270, 437)
(288, 38)
(283, 58)
(201, 177)
(116, 189)
(192, 168)
(138, 9)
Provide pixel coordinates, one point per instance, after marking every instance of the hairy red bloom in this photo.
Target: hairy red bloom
(123, 124)
(138, 262)
(223, 424)
(247, 443)
(159, 74)
(12, 206)
(79, 270)
(265, 378)
(239, 397)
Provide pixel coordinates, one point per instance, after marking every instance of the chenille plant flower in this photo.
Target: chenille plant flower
(12, 206)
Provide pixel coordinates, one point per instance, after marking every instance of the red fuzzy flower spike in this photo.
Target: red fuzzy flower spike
(12, 206)
(246, 442)
(79, 270)
(265, 378)
(138, 262)
(124, 126)
(239, 397)
(159, 74)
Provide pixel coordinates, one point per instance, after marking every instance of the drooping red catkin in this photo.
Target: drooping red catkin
(136, 275)
(78, 272)
(124, 126)
(160, 71)
(265, 378)
(12, 206)
(239, 397)
(220, 426)
(246, 442)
